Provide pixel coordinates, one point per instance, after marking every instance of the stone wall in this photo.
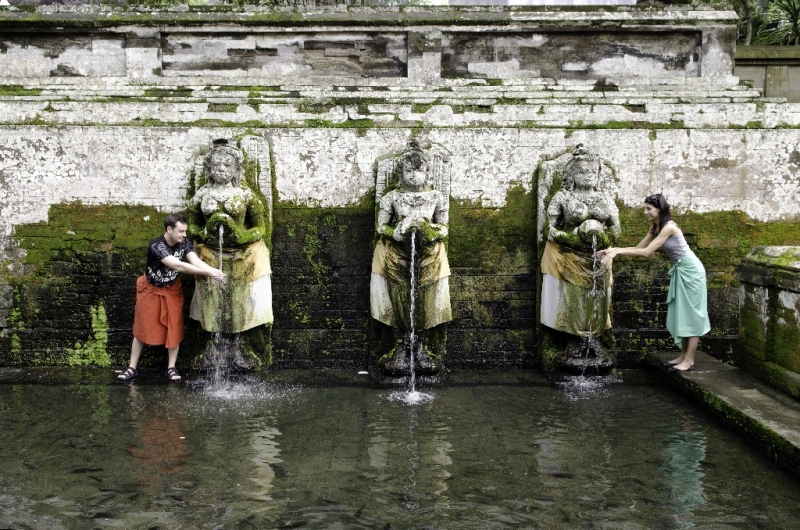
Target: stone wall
(774, 70)
(769, 321)
(101, 122)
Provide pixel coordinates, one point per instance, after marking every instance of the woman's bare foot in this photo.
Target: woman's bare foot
(676, 360)
(684, 367)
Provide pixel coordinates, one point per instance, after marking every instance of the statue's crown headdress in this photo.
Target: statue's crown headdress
(582, 153)
(414, 156)
(223, 145)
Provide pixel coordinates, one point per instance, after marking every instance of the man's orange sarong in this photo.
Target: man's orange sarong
(158, 317)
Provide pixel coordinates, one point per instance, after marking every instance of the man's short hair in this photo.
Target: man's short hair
(173, 219)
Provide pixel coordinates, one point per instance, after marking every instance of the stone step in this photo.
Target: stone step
(768, 417)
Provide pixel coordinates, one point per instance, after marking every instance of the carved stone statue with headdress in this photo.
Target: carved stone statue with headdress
(230, 220)
(581, 218)
(409, 289)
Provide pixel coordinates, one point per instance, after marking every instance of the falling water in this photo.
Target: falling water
(590, 341)
(593, 292)
(222, 345)
(584, 386)
(412, 396)
(412, 339)
(221, 236)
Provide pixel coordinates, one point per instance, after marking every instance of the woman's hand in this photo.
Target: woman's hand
(607, 255)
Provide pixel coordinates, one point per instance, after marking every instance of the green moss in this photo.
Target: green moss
(422, 108)
(222, 107)
(511, 101)
(481, 109)
(19, 90)
(16, 344)
(720, 239)
(347, 124)
(93, 352)
(479, 236)
(180, 92)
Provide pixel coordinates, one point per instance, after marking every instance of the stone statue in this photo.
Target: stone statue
(230, 221)
(412, 192)
(581, 218)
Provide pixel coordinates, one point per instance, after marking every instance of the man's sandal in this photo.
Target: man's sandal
(173, 375)
(128, 374)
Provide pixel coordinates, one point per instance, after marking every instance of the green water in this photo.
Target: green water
(485, 451)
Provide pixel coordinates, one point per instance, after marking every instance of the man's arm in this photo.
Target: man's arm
(195, 266)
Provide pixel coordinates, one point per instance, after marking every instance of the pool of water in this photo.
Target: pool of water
(487, 450)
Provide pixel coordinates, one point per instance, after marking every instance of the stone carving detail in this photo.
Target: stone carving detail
(230, 220)
(412, 192)
(581, 217)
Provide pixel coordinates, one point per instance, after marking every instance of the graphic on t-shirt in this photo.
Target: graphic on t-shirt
(159, 274)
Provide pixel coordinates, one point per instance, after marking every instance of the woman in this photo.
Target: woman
(687, 313)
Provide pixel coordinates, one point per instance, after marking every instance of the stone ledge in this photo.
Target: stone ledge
(766, 417)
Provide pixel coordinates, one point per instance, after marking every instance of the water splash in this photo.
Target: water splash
(583, 387)
(222, 352)
(411, 398)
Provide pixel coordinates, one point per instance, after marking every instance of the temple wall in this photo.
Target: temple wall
(102, 121)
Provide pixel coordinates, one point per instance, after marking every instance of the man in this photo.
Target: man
(158, 317)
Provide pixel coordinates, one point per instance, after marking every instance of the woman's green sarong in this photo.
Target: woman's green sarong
(687, 309)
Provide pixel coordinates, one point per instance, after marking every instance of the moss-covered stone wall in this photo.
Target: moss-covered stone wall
(73, 285)
(97, 145)
(769, 316)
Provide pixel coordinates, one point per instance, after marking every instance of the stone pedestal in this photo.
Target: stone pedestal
(769, 316)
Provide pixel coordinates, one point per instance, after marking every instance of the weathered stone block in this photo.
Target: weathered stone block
(770, 311)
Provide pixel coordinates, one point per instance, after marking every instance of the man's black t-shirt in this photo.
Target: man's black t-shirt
(157, 273)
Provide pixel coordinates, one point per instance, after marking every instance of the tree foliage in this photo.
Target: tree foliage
(765, 21)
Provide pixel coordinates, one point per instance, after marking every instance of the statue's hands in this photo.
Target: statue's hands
(432, 232)
(228, 233)
(561, 237)
(403, 227)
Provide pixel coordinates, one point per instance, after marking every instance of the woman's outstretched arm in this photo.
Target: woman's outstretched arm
(644, 249)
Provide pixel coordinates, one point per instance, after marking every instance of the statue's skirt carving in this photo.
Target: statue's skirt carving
(568, 303)
(244, 301)
(390, 282)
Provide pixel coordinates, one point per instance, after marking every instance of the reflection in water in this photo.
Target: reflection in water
(266, 451)
(160, 446)
(683, 455)
(516, 454)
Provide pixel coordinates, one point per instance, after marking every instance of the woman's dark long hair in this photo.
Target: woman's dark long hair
(660, 202)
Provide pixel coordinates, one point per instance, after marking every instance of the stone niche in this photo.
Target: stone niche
(769, 325)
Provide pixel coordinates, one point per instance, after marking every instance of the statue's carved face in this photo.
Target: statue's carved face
(415, 177)
(583, 173)
(222, 168)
